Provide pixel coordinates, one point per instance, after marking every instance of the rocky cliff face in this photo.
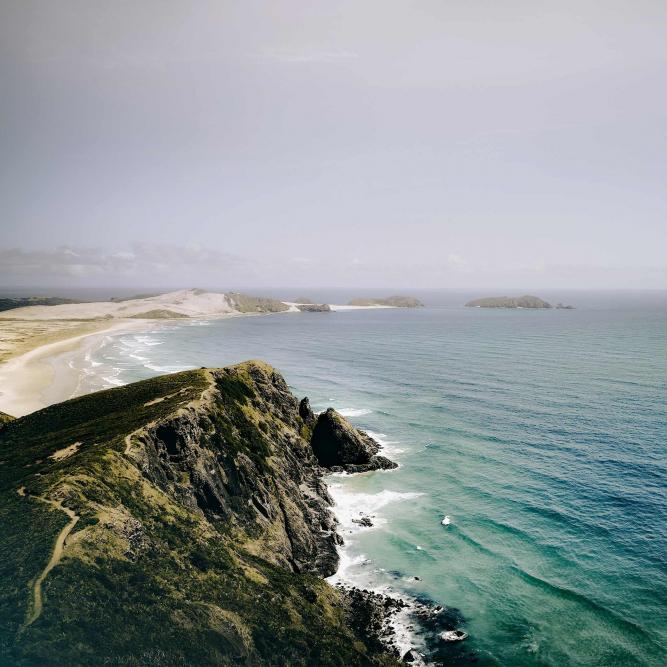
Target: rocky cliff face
(180, 520)
(339, 446)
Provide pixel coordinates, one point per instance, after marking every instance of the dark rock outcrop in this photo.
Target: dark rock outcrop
(314, 307)
(306, 412)
(364, 521)
(337, 445)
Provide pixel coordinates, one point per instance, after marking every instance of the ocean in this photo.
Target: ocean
(541, 434)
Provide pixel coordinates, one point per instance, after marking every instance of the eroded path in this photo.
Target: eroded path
(58, 547)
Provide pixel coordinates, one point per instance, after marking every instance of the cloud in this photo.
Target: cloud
(142, 262)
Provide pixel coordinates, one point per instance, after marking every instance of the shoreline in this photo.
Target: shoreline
(403, 618)
(33, 372)
(40, 376)
(49, 374)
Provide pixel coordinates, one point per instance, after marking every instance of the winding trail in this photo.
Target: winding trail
(58, 547)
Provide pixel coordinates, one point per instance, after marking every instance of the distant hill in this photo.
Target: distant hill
(253, 304)
(392, 301)
(10, 304)
(182, 303)
(525, 301)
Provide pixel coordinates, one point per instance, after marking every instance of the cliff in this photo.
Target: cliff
(178, 520)
(525, 301)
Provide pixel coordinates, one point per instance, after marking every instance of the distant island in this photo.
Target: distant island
(525, 301)
(390, 301)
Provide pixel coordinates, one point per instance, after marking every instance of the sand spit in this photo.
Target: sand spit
(183, 303)
(33, 338)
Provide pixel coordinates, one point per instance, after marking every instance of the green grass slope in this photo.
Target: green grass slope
(168, 522)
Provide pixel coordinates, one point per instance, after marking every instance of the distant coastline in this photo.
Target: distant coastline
(36, 338)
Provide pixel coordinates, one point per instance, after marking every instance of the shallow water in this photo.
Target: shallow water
(543, 435)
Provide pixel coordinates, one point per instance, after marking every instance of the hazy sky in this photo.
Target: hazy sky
(422, 143)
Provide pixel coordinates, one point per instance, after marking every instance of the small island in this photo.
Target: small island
(390, 302)
(525, 301)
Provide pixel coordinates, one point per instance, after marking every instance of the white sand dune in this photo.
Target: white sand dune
(188, 303)
(32, 339)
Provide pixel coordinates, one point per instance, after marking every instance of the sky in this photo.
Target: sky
(428, 143)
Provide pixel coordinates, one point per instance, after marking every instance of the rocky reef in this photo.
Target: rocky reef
(314, 307)
(181, 520)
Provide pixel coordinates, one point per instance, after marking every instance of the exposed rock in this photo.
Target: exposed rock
(371, 615)
(363, 521)
(411, 656)
(339, 446)
(305, 411)
(314, 307)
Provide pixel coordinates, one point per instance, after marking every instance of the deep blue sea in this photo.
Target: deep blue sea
(541, 434)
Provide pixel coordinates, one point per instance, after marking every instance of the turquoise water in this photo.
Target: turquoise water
(543, 435)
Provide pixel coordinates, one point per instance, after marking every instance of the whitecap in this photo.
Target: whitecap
(347, 505)
(354, 412)
(113, 381)
(167, 369)
(388, 446)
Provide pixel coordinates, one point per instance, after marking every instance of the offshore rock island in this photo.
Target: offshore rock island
(525, 301)
(182, 520)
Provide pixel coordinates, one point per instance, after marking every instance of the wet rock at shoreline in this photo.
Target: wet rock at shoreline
(364, 521)
(341, 447)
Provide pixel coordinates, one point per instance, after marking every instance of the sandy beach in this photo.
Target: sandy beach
(38, 343)
(34, 372)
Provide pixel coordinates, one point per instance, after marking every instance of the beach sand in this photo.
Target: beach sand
(38, 343)
(34, 371)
